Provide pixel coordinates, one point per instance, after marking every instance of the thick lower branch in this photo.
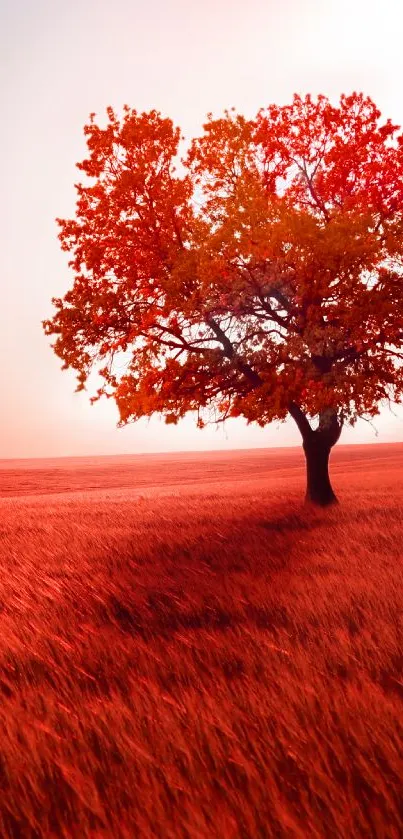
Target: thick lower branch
(230, 353)
(300, 419)
(330, 426)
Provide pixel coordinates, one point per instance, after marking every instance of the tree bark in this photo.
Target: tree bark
(317, 445)
(319, 489)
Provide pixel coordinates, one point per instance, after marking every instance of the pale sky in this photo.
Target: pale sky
(62, 60)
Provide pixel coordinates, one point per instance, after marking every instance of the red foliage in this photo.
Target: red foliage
(268, 273)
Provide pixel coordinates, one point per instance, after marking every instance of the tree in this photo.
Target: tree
(264, 278)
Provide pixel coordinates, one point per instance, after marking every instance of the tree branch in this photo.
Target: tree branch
(229, 352)
(300, 419)
(318, 201)
(330, 426)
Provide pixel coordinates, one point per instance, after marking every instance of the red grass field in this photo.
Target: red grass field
(189, 653)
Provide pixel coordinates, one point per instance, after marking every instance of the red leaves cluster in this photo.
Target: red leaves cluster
(268, 271)
(334, 158)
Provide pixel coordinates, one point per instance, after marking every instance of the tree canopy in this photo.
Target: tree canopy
(259, 274)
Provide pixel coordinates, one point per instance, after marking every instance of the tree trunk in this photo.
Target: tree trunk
(317, 446)
(319, 489)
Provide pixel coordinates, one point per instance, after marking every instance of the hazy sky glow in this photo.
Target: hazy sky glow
(62, 60)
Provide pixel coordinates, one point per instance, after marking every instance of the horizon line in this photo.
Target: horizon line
(190, 451)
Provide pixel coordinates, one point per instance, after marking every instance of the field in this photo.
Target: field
(186, 652)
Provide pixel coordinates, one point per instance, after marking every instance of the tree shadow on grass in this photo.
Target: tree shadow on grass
(161, 617)
(292, 523)
(200, 584)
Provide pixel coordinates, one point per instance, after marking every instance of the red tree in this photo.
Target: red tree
(264, 279)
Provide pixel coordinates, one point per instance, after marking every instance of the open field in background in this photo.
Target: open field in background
(188, 653)
(184, 471)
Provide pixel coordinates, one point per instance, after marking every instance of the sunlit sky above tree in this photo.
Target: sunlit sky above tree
(59, 62)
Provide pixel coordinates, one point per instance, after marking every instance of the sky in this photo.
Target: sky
(61, 61)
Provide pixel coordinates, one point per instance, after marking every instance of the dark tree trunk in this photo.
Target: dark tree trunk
(317, 446)
(319, 489)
